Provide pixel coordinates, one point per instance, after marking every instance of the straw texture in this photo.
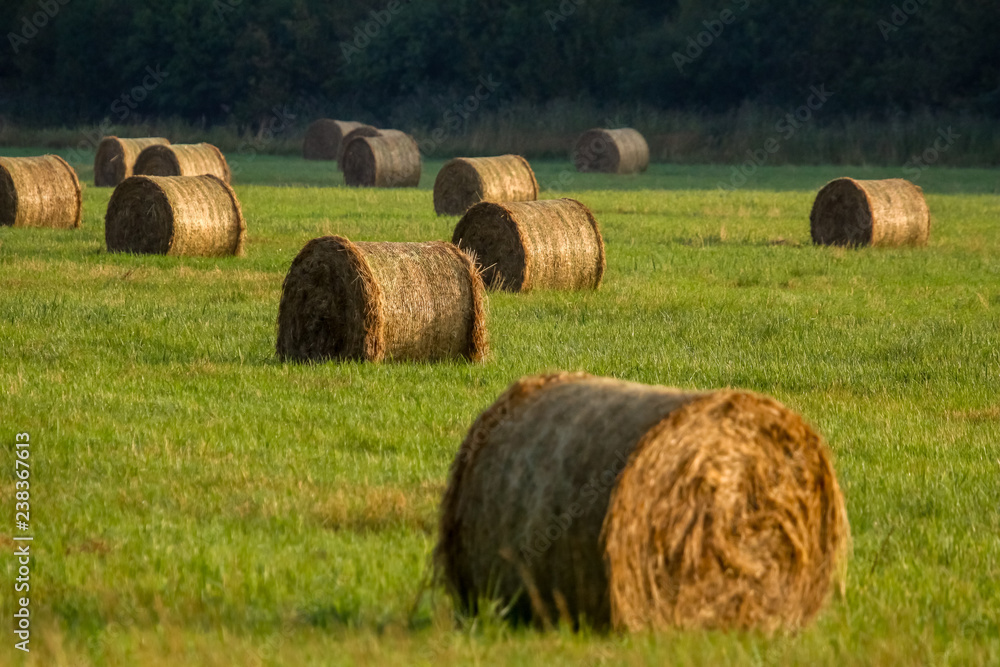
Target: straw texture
(381, 301)
(611, 151)
(324, 136)
(115, 158)
(519, 247)
(360, 131)
(182, 160)
(890, 212)
(464, 182)
(39, 192)
(175, 215)
(627, 506)
(390, 160)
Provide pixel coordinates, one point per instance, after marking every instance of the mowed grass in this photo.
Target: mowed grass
(194, 501)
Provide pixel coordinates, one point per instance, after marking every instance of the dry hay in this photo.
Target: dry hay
(891, 212)
(378, 301)
(361, 131)
(390, 160)
(465, 181)
(182, 160)
(39, 192)
(324, 137)
(549, 244)
(175, 215)
(595, 501)
(116, 158)
(611, 152)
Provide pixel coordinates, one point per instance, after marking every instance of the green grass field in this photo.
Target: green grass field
(194, 501)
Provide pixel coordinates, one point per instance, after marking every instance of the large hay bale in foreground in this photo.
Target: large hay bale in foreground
(115, 158)
(623, 151)
(550, 244)
(629, 506)
(465, 181)
(389, 160)
(175, 215)
(39, 192)
(182, 160)
(360, 131)
(324, 138)
(891, 212)
(377, 301)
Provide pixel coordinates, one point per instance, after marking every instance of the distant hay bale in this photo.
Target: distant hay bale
(631, 507)
(390, 160)
(891, 212)
(465, 181)
(182, 160)
(361, 131)
(550, 244)
(116, 158)
(324, 136)
(611, 151)
(175, 215)
(39, 192)
(378, 301)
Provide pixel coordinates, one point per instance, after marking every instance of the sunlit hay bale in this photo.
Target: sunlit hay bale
(381, 301)
(611, 151)
(39, 192)
(182, 160)
(324, 137)
(360, 131)
(175, 215)
(390, 160)
(465, 181)
(116, 158)
(892, 212)
(519, 247)
(619, 505)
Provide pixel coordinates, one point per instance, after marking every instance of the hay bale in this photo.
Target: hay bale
(464, 182)
(175, 215)
(891, 212)
(551, 244)
(116, 158)
(182, 160)
(39, 192)
(611, 152)
(390, 160)
(377, 301)
(324, 137)
(361, 131)
(629, 506)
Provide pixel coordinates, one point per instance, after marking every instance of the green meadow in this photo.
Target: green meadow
(195, 501)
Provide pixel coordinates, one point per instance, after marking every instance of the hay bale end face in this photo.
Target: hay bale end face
(519, 247)
(623, 151)
(175, 215)
(39, 192)
(626, 506)
(324, 137)
(115, 158)
(182, 160)
(464, 182)
(360, 131)
(890, 212)
(390, 160)
(381, 301)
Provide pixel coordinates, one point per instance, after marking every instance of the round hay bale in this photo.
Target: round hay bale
(390, 160)
(611, 152)
(175, 215)
(891, 212)
(361, 131)
(116, 158)
(324, 137)
(377, 301)
(550, 244)
(182, 160)
(465, 181)
(39, 192)
(628, 506)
